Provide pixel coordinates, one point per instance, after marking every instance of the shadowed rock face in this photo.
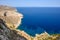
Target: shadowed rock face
(7, 34)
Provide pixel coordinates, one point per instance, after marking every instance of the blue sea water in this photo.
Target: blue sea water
(39, 19)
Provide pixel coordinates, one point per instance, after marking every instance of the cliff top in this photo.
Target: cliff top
(4, 7)
(11, 17)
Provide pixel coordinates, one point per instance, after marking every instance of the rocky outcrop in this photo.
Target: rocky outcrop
(8, 34)
(10, 19)
(4, 7)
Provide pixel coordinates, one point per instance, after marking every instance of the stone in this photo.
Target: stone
(12, 18)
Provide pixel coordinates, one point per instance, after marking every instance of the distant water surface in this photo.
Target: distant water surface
(40, 19)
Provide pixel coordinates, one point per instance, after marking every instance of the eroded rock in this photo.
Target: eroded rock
(8, 34)
(12, 18)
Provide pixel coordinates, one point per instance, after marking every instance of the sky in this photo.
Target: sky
(31, 3)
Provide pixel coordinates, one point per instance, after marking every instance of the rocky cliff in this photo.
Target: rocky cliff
(8, 34)
(10, 19)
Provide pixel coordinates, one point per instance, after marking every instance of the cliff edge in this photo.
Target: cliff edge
(10, 19)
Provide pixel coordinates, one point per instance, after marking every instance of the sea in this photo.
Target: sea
(37, 20)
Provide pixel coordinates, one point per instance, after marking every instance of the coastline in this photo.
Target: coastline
(10, 22)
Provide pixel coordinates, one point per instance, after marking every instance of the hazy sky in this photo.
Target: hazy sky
(31, 3)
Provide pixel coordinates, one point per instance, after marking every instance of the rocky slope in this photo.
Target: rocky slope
(8, 34)
(10, 19)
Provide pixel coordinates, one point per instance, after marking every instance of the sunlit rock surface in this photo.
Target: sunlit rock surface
(4, 7)
(10, 19)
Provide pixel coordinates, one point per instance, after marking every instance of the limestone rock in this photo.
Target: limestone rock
(6, 8)
(8, 34)
(12, 18)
